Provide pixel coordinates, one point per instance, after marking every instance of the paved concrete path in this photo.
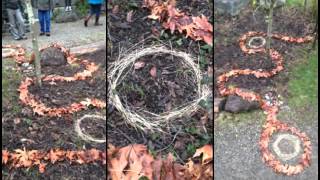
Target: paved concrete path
(68, 34)
(236, 152)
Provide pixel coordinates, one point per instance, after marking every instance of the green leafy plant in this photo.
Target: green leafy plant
(82, 7)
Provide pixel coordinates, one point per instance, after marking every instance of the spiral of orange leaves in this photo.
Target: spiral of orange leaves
(28, 158)
(272, 123)
(134, 161)
(18, 55)
(197, 28)
(40, 108)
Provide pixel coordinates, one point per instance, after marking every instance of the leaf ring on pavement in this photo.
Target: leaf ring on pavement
(294, 140)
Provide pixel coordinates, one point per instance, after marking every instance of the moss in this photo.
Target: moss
(303, 83)
(228, 119)
(297, 3)
(10, 83)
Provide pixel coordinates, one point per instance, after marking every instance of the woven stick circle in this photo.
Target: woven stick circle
(84, 136)
(259, 38)
(143, 119)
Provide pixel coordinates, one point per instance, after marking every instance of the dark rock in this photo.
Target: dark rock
(52, 57)
(63, 17)
(219, 104)
(236, 104)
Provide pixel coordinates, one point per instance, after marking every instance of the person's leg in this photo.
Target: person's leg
(66, 5)
(86, 20)
(47, 22)
(35, 13)
(69, 4)
(98, 11)
(41, 21)
(12, 24)
(20, 22)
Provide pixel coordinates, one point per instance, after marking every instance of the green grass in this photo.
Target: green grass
(295, 2)
(303, 83)
(10, 83)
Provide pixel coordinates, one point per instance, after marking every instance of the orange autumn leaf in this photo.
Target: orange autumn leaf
(173, 19)
(153, 72)
(139, 64)
(207, 153)
(42, 167)
(272, 123)
(24, 158)
(5, 156)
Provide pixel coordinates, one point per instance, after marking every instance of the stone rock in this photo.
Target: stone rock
(232, 7)
(64, 16)
(236, 104)
(219, 104)
(52, 57)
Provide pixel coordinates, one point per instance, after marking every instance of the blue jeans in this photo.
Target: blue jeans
(44, 19)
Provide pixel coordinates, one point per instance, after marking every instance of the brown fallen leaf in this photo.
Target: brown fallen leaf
(5, 156)
(129, 16)
(115, 9)
(207, 152)
(17, 120)
(139, 65)
(153, 72)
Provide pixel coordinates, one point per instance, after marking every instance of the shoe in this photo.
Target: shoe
(47, 34)
(41, 34)
(66, 9)
(24, 37)
(97, 24)
(70, 8)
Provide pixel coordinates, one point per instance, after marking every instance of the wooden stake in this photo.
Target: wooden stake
(34, 31)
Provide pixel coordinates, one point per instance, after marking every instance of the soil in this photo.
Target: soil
(173, 86)
(44, 133)
(55, 95)
(158, 96)
(236, 136)
(228, 56)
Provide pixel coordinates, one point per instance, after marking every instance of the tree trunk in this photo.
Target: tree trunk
(305, 6)
(34, 30)
(270, 19)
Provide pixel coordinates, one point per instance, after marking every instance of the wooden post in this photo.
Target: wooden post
(305, 6)
(270, 19)
(34, 35)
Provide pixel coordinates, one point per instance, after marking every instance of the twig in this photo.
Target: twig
(174, 138)
(126, 136)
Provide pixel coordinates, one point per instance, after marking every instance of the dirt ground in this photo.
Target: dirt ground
(236, 136)
(21, 128)
(187, 133)
(228, 55)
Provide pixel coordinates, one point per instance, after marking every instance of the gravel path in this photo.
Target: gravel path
(68, 34)
(236, 151)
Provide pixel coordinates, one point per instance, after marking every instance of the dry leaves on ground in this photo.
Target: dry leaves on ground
(272, 124)
(197, 28)
(134, 161)
(26, 159)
